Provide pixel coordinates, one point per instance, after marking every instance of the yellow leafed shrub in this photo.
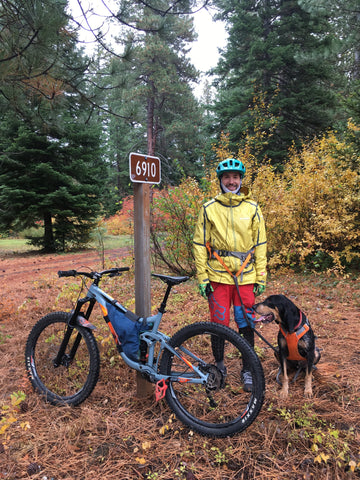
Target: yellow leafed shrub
(173, 216)
(321, 200)
(311, 209)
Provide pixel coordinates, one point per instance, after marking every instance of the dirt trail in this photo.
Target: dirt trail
(19, 273)
(30, 266)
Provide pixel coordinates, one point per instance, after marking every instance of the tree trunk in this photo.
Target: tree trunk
(151, 138)
(49, 245)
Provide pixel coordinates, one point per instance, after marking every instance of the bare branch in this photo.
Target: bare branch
(18, 54)
(171, 8)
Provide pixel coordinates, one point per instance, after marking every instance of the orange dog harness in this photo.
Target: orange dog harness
(292, 340)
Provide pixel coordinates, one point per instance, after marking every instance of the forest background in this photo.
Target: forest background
(284, 97)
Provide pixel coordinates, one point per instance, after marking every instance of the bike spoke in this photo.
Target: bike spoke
(220, 406)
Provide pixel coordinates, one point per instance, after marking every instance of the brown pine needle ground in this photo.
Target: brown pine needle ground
(114, 435)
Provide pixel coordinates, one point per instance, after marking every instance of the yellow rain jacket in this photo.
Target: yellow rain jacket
(233, 225)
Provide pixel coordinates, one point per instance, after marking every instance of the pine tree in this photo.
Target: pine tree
(153, 95)
(51, 172)
(36, 50)
(52, 180)
(283, 49)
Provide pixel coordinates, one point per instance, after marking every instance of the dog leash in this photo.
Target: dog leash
(246, 317)
(212, 252)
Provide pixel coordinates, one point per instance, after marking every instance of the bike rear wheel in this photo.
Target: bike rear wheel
(72, 381)
(221, 407)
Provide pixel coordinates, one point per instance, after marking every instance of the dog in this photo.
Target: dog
(296, 339)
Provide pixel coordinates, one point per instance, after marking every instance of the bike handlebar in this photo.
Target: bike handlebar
(112, 272)
(67, 273)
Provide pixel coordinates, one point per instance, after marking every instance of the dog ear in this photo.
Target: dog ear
(291, 314)
(281, 308)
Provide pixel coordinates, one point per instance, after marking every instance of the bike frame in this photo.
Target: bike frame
(151, 337)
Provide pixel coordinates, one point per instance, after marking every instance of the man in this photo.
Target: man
(229, 241)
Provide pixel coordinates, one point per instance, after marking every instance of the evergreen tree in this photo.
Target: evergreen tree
(284, 50)
(37, 51)
(50, 179)
(51, 170)
(348, 27)
(152, 79)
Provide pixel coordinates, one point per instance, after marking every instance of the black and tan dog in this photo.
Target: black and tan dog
(296, 339)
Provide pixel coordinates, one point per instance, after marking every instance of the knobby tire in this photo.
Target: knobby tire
(225, 409)
(72, 381)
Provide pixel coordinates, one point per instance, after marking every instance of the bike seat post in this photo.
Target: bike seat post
(165, 299)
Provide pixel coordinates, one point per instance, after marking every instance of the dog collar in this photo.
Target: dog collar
(300, 320)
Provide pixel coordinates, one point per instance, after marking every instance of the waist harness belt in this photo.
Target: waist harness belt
(292, 340)
(244, 257)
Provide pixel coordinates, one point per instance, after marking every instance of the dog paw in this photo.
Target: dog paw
(308, 393)
(284, 394)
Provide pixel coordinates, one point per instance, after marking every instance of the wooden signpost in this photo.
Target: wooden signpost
(144, 171)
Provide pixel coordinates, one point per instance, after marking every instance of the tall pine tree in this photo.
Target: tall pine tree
(51, 172)
(283, 49)
(153, 93)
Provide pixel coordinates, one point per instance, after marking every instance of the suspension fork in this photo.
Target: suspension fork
(59, 359)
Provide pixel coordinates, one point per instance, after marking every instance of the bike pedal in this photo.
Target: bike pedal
(160, 389)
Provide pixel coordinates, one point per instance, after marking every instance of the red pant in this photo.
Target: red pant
(224, 296)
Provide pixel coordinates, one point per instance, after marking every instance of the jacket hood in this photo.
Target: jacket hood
(233, 198)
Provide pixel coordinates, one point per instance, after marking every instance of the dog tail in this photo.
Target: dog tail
(317, 355)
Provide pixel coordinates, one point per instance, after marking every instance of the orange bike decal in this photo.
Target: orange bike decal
(187, 363)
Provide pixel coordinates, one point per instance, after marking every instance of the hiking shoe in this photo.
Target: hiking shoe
(246, 378)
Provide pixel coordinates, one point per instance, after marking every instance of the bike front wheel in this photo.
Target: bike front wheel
(74, 377)
(220, 407)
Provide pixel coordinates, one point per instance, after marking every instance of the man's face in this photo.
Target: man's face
(231, 180)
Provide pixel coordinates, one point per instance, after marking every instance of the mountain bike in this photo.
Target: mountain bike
(63, 359)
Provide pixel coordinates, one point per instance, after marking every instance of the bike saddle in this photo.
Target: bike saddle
(169, 280)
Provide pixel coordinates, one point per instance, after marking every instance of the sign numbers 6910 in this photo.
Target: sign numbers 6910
(145, 169)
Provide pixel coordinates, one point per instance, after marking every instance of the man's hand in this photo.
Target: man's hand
(205, 289)
(258, 289)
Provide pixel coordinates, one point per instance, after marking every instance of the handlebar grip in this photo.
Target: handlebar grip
(67, 273)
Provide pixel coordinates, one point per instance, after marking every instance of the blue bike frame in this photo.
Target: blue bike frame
(151, 337)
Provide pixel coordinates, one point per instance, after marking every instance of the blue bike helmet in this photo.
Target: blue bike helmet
(231, 165)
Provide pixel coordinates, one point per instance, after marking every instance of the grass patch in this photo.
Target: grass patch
(117, 241)
(20, 245)
(15, 245)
